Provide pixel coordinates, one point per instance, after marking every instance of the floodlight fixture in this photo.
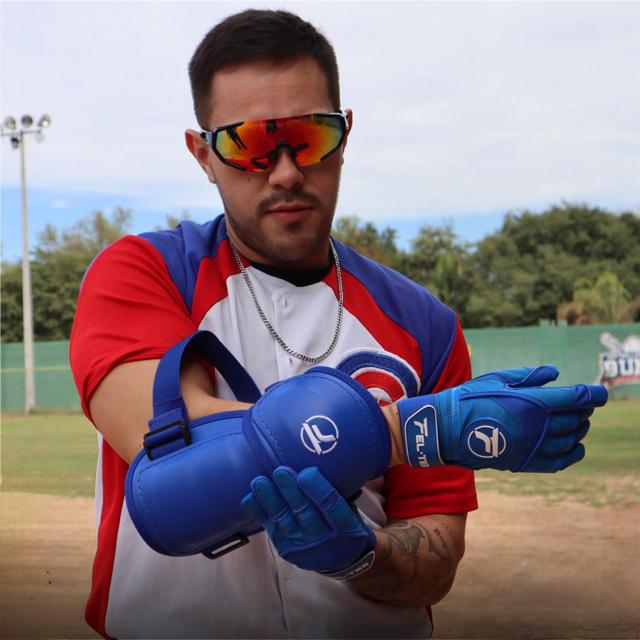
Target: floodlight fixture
(44, 121)
(26, 121)
(9, 123)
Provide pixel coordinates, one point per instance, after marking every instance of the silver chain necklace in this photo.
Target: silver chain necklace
(273, 332)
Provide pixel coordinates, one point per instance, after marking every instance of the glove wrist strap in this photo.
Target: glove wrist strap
(419, 424)
(357, 568)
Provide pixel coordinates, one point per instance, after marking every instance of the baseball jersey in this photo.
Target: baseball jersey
(145, 293)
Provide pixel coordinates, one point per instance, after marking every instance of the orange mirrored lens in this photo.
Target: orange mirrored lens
(252, 145)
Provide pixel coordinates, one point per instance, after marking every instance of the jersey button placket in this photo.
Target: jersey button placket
(286, 310)
(283, 359)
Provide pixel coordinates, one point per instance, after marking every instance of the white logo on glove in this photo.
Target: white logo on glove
(486, 441)
(319, 434)
(423, 429)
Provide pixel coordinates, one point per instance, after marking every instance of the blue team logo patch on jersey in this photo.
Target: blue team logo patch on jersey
(387, 377)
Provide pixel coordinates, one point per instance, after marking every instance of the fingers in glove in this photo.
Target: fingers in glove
(534, 377)
(270, 499)
(268, 496)
(302, 507)
(253, 509)
(580, 396)
(557, 445)
(551, 464)
(334, 507)
(564, 423)
(525, 376)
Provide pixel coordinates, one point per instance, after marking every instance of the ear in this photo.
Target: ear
(349, 115)
(201, 151)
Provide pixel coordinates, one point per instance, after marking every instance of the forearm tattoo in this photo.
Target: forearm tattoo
(414, 563)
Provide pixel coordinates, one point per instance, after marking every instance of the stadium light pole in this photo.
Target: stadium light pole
(17, 135)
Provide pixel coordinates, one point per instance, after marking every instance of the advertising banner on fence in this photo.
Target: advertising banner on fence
(620, 364)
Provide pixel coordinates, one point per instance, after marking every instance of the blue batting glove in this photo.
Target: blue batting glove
(310, 524)
(502, 420)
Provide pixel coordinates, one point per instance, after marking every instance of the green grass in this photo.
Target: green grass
(52, 453)
(56, 454)
(608, 475)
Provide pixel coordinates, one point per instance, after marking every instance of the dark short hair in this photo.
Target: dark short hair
(252, 36)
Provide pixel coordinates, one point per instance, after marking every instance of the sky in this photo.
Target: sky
(462, 111)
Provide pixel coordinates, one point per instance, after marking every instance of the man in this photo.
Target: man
(267, 281)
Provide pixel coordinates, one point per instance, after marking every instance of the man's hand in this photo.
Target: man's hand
(310, 524)
(502, 420)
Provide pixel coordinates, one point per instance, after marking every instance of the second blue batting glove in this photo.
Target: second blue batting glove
(310, 524)
(502, 420)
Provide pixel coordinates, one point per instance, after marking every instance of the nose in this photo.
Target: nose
(285, 173)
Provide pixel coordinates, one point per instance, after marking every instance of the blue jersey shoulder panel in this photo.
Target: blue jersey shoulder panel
(184, 247)
(419, 312)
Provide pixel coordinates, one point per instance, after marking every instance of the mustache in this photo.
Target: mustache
(288, 197)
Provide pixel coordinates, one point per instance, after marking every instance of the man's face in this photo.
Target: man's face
(281, 216)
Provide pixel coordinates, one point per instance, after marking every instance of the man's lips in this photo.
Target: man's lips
(290, 213)
(289, 208)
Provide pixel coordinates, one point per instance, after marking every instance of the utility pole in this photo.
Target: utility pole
(17, 137)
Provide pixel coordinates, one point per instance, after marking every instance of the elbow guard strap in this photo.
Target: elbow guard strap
(184, 489)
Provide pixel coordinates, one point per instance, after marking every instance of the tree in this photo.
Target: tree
(525, 271)
(171, 222)
(522, 273)
(365, 238)
(606, 300)
(439, 261)
(11, 302)
(57, 267)
(87, 237)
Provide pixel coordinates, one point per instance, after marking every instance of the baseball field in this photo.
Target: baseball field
(547, 556)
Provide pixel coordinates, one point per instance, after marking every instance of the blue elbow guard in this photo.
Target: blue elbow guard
(186, 501)
(184, 489)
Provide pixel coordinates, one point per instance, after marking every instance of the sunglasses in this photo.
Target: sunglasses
(253, 145)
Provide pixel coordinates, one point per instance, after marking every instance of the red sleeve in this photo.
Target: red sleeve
(415, 492)
(128, 309)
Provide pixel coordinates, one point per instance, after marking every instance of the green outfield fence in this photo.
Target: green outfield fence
(582, 353)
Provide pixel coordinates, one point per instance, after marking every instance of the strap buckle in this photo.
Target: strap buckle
(154, 439)
(231, 544)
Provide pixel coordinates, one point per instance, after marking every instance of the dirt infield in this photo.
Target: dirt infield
(531, 570)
